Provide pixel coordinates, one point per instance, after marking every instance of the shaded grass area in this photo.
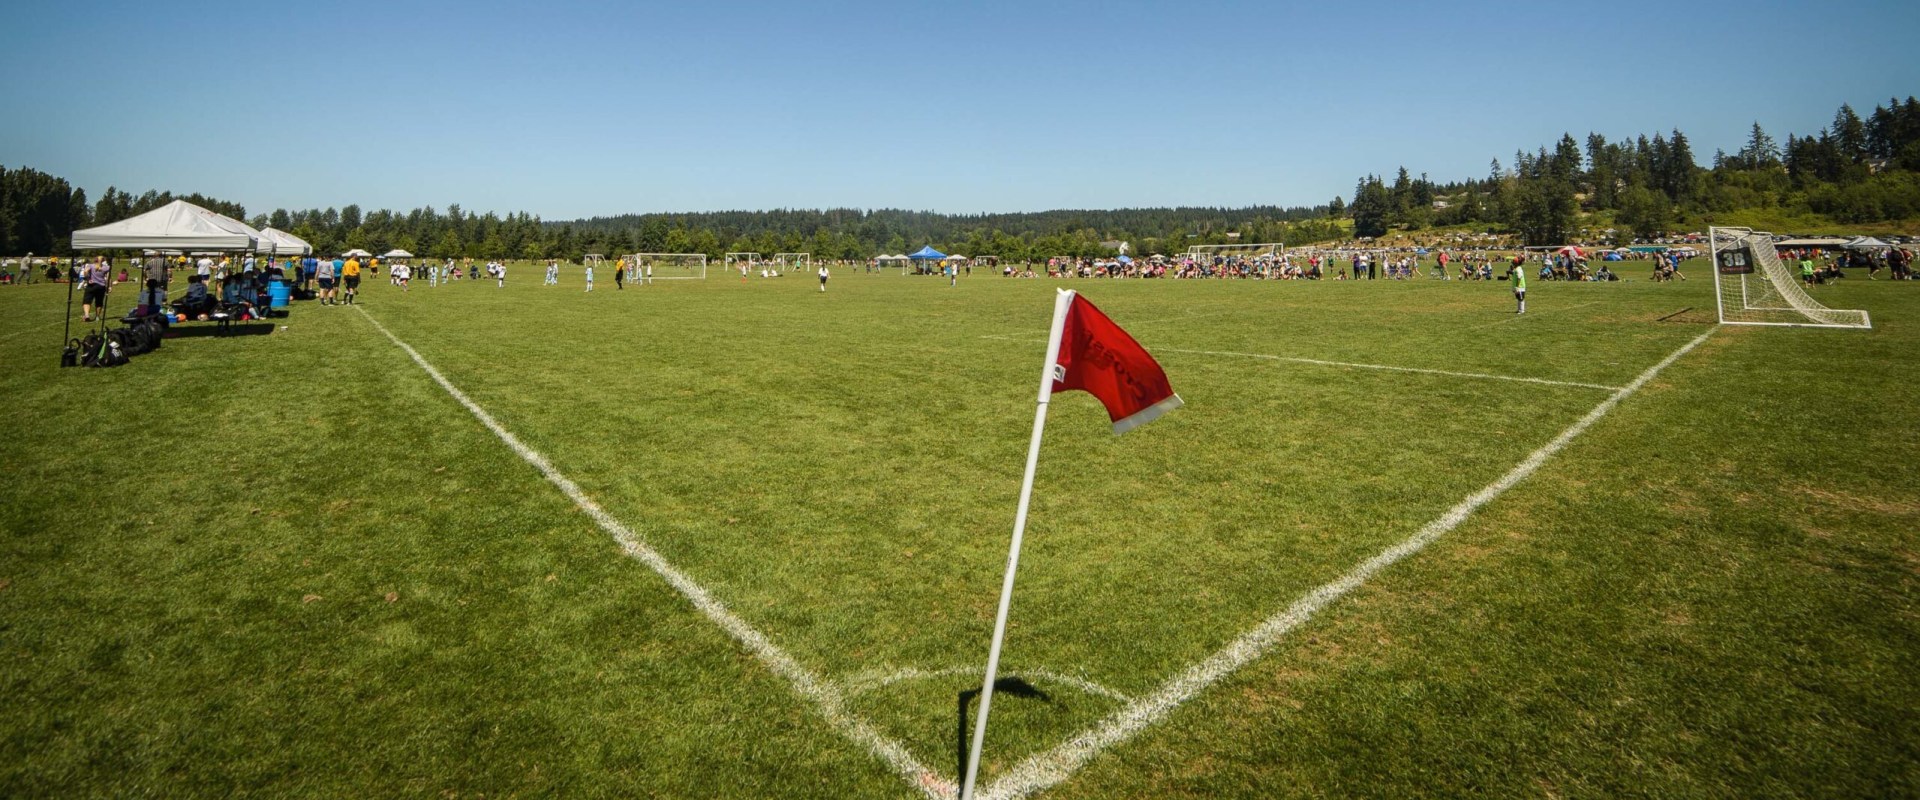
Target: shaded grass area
(1710, 591)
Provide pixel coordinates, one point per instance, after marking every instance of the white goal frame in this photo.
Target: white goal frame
(640, 266)
(787, 262)
(747, 261)
(1748, 274)
(1271, 253)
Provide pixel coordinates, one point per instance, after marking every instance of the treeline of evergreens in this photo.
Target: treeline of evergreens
(1856, 170)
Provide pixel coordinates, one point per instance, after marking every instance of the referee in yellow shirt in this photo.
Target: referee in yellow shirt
(350, 278)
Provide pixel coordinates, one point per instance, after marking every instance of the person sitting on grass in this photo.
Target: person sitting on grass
(1605, 273)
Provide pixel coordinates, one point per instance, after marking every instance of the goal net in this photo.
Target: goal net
(1752, 286)
(742, 262)
(666, 266)
(791, 262)
(1257, 257)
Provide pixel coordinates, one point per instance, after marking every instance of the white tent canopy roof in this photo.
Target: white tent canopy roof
(396, 253)
(281, 243)
(356, 253)
(178, 225)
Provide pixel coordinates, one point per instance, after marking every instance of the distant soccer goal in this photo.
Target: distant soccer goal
(793, 262)
(742, 262)
(1259, 257)
(667, 266)
(1752, 287)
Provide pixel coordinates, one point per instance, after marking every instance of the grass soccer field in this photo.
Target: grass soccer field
(744, 539)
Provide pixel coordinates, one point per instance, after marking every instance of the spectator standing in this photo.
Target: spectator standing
(97, 276)
(324, 275)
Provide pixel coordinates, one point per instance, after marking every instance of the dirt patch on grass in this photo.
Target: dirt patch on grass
(1879, 505)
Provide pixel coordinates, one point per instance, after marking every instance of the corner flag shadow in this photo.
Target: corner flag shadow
(1010, 686)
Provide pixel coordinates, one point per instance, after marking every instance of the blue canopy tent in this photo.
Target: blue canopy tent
(924, 255)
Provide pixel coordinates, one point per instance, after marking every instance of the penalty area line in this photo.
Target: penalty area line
(1422, 370)
(826, 696)
(1045, 770)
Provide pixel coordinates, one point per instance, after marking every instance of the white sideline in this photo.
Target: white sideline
(1045, 770)
(1449, 373)
(36, 329)
(827, 697)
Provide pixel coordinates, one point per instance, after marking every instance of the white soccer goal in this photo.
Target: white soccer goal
(1752, 287)
(647, 267)
(1259, 257)
(743, 262)
(791, 262)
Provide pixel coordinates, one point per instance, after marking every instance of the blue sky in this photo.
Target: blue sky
(569, 109)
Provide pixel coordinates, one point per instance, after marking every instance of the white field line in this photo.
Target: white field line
(827, 697)
(1130, 324)
(1449, 373)
(1044, 770)
(37, 328)
(872, 680)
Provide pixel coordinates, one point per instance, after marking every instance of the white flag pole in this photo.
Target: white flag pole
(1061, 302)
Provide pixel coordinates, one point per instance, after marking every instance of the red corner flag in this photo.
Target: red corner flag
(1085, 351)
(1099, 358)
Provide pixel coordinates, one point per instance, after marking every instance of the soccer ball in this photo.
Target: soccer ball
(179, 318)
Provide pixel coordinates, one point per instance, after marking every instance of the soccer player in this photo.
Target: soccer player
(1518, 274)
(500, 274)
(553, 273)
(1806, 267)
(350, 278)
(620, 274)
(589, 277)
(823, 276)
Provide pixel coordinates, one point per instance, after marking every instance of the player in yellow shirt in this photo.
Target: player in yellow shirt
(350, 278)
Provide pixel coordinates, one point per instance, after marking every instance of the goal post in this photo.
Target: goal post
(789, 262)
(666, 266)
(744, 262)
(1751, 286)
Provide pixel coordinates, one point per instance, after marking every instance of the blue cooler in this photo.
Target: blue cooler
(278, 293)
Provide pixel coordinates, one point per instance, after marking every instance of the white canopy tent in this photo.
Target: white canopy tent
(356, 253)
(283, 243)
(178, 225)
(396, 253)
